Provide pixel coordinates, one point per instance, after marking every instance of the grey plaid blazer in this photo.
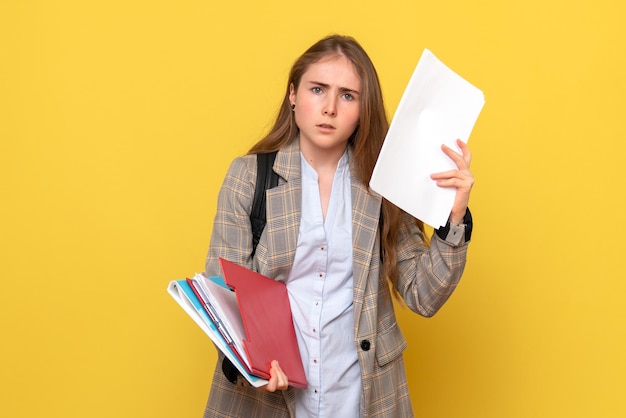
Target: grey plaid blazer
(427, 277)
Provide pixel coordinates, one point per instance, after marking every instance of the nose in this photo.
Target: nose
(330, 108)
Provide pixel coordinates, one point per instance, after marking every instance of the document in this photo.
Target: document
(220, 303)
(437, 107)
(183, 294)
(266, 315)
(248, 317)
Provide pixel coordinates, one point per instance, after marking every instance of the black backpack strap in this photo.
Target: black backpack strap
(266, 178)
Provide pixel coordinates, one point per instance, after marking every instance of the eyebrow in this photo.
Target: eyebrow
(341, 89)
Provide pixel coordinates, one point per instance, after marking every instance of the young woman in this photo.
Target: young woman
(341, 249)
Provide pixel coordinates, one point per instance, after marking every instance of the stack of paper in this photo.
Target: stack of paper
(182, 293)
(438, 107)
(248, 318)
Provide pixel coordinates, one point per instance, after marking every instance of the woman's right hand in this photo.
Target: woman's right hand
(278, 379)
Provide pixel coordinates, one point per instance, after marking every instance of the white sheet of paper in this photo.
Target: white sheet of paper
(225, 303)
(437, 107)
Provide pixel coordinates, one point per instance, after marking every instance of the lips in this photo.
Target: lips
(326, 126)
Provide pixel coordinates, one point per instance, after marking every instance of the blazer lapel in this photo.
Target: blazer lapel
(283, 212)
(365, 217)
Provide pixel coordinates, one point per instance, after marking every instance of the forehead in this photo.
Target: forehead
(336, 70)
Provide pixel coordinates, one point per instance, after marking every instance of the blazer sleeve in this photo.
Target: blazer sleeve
(427, 274)
(231, 237)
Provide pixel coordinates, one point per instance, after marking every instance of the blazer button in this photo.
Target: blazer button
(365, 345)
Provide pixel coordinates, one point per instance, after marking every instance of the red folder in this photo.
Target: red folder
(266, 314)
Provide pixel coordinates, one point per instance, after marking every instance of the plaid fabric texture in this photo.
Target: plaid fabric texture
(427, 277)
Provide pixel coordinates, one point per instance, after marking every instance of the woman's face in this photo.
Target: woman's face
(327, 106)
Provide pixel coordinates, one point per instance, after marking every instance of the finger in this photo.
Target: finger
(281, 378)
(453, 179)
(465, 151)
(453, 182)
(453, 174)
(445, 175)
(272, 383)
(457, 158)
(462, 160)
(278, 380)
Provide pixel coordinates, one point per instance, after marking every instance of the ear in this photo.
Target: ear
(292, 94)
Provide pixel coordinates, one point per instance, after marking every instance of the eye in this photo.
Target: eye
(348, 96)
(316, 90)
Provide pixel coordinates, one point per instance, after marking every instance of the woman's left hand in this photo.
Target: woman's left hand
(461, 178)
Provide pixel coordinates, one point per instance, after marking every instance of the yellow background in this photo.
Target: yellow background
(118, 120)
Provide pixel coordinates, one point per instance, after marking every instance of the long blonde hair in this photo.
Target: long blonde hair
(366, 141)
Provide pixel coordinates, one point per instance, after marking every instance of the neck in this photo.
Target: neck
(322, 160)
